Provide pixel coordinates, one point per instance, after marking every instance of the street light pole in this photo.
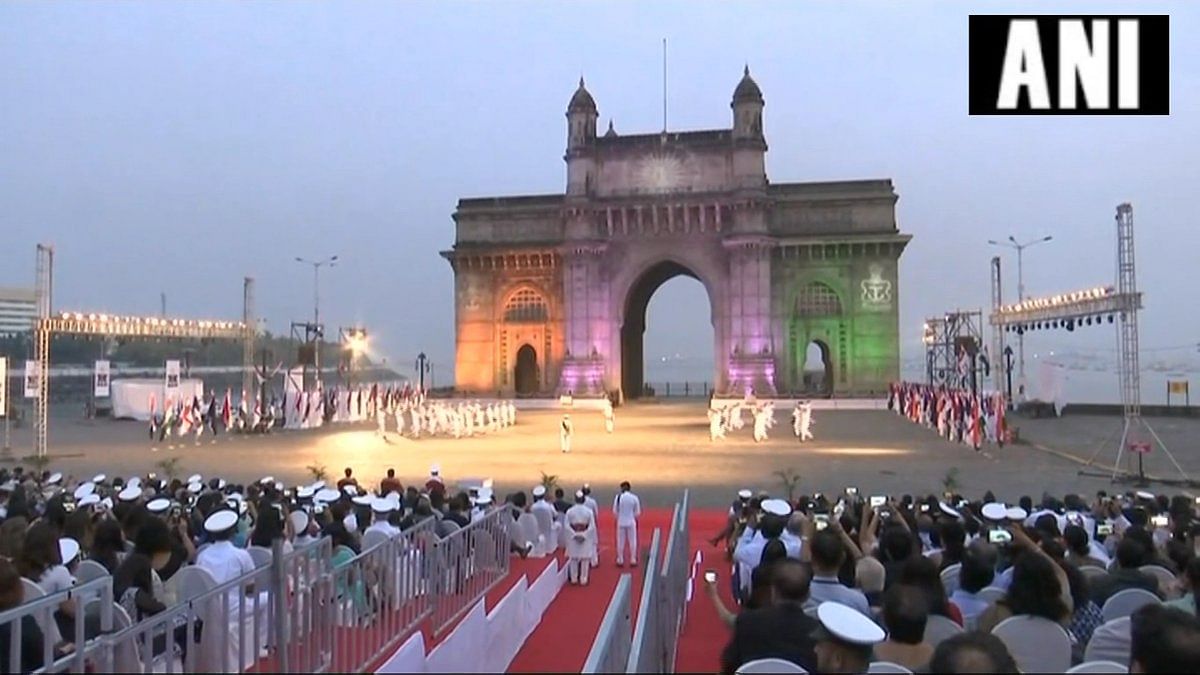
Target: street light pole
(1020, 249)
(331, 261)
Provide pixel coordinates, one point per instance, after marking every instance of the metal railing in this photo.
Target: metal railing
(610, 649)
(92, 605)
(643, 656)
(380, 596)
(685, 389)
(467, 564)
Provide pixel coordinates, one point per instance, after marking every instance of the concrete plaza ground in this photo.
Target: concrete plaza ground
(660, 447)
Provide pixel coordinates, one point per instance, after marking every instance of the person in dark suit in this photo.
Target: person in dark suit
(782, 630)
(1130, 555)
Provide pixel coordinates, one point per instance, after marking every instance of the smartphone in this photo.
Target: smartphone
(852, 491)
(821, 520)
(1000, 537)
(878, 500)
(710, 576)
(1158, 521)
(885, 514)
(924, 508)
(1103, 529)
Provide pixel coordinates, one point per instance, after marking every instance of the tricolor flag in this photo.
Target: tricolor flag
(227, 410)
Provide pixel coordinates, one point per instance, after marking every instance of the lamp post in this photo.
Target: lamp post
(423, 366)
(331, 261)
(1020, 249)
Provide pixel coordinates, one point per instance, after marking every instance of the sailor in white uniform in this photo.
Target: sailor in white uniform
(590, 502)
(609, 415)
(566, 430)
(225, 562)
(627, 507)
(581, 541)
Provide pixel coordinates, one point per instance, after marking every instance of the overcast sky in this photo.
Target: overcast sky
(177, 147)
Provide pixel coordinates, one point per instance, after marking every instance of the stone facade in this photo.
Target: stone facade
(551, 290)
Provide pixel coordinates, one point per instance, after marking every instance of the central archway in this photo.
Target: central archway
(525, 373)
(633, 327)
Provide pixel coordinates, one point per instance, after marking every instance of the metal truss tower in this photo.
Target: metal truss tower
(996, 358)
(44, 293)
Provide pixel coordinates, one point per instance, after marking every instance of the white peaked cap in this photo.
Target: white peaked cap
(85, 490)
(299, 520)
(195, 488)
(381, 505)
(1017, 513)
(350, 490)
(994, 511)
(745, 494)
(483, 497)
(266, 480)
(326, 495)
(90, 499)
(365, 500)
(195, 478)
(158, 505)
(54, 478)
(318, 485)
(134, 481)
(129, 494)
(579, 494)
(99, 478)
(1142, 494)
(777, 507)
(539, 491)
(305, 492)
(949, 510)
(220, 521)
(68, 548)
(279, 486)
(849, 625)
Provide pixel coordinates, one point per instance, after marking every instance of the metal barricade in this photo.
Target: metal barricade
(647, 631)
(466, 565)
(380, 596)
(610, 649)
(92, 603)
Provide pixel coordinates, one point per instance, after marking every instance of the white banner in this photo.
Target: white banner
(3, 386)
(102, 378)
(172, 378)
(33, 380)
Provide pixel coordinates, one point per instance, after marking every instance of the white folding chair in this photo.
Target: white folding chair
(769, 666)
(939, 628)
(888, 667)
(261, 556)
(1126, 602)
(991, 594)
(89, 570)
(1165, 577)
(44, 618)
(1037, 645)
(1099, 667)
(546, 533)
(1110, 642)
(950, 578)
(1091, 572)
(188, 584)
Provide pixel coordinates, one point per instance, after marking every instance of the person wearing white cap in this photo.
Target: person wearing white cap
(627, 508)
(594, 507)
(581, 541)
(610, 416)
(547, 518)
(565, 432)
(845, 640)
(225, 562)
(750, 546)
(382, 509)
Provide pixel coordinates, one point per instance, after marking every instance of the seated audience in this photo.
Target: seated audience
(1079, 551)
(971, 653)
(977, 572)
(1131, 554)
(905, 612)
(827, 553)
(1036, 590)
(1190, 600)
(868, 578)
(780, 630)
(1163, 640)
(921, 573)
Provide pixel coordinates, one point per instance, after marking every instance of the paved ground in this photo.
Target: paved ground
(660, 448)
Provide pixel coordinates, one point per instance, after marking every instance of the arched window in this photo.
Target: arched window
(817, 299)
(526, 305)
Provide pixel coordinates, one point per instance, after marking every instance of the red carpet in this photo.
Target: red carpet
(561, 642)
(704, 636)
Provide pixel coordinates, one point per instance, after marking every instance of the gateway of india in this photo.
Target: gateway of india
(551, 290)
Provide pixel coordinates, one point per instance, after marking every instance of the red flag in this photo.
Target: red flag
(227, 409)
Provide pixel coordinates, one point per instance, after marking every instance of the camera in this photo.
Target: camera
(853, 491)
(924, 508)
(821, 520)
(877, 501)
(1158, 521)
(1104, 529)
(710, 576)
(1000, 537)
(885, 514)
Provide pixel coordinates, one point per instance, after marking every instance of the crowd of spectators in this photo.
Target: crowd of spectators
(939, 574)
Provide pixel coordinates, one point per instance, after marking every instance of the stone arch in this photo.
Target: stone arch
(818, 316)
(526, 371)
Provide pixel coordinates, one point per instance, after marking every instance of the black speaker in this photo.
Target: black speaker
(306, 355)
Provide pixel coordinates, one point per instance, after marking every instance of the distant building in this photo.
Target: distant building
(18, 308)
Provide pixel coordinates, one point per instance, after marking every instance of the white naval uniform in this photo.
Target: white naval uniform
(806, 422)
(760, 426)
(609, 417)
(566, 430)
(581, 543)
(225, 562)
(595, 509)
(627, 507)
